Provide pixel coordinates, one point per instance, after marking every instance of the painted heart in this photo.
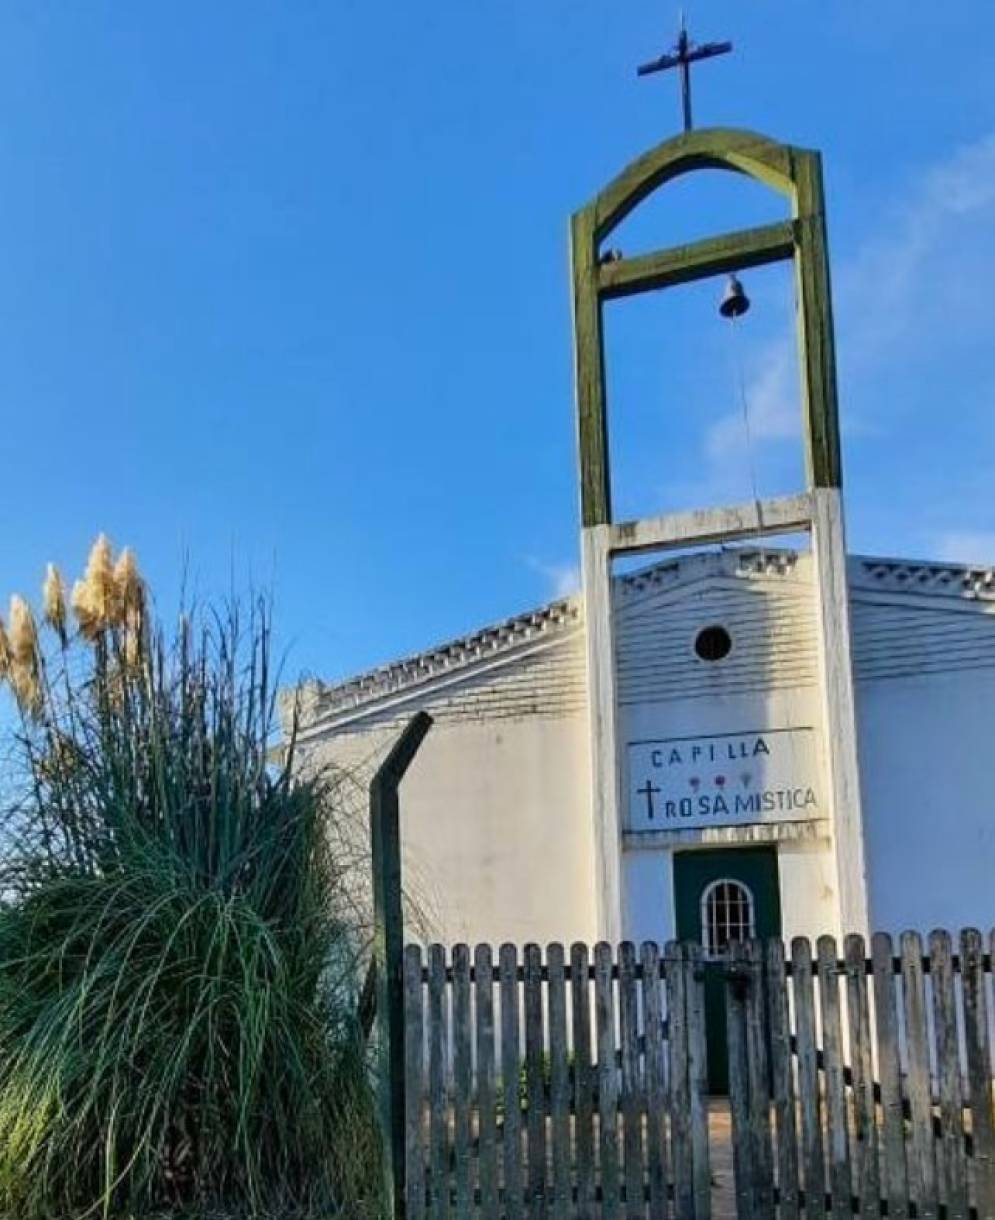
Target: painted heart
(746, 777)
(695, 782)
(720, 781)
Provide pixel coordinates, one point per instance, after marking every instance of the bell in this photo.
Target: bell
(734, 301)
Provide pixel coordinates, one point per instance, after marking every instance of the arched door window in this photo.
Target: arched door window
(728, 916)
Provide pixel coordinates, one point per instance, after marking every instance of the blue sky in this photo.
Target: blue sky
(284, 291)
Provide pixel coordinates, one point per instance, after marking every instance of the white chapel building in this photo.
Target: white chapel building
(734, 736)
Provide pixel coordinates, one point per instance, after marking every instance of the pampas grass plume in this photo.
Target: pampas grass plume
(24, 661)
(128, 582)
(4, 652)
(86, 616)
(23, 634)
(131, 603)
(100, 583)
(54, 601)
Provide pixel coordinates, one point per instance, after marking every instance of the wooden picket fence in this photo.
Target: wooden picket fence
(862, 1085)
(514, 1108)
(573, 1084)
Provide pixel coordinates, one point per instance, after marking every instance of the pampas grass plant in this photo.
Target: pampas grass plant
(179, 939)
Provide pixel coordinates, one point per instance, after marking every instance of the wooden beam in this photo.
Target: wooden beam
(744, 152)
(589, 355)
(839, 715)
(815, 328)
(388, 953)
(605, 760)
(683, 264)
(789, 514)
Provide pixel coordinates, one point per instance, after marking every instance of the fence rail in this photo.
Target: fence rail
(841, 964)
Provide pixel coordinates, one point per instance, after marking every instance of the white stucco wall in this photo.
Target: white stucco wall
(496, 832)
(648, 880)
(927, 755)
(808, 889)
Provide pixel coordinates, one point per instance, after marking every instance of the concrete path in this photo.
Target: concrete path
(720, 1153)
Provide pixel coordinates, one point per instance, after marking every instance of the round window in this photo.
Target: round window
(713, 643)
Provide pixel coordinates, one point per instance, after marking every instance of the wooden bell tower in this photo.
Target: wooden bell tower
(815, 509)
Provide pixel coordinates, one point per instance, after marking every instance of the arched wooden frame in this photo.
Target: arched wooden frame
(795, 173)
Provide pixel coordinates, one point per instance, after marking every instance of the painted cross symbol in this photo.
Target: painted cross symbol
(647, 790)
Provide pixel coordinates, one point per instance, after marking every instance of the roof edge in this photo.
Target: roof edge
(464, 654)
(564, 615)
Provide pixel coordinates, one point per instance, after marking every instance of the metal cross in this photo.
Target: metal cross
(683, 55)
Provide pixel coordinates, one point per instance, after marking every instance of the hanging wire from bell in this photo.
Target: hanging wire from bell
(733, 305)
(734, 301)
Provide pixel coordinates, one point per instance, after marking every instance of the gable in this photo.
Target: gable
(766, 607)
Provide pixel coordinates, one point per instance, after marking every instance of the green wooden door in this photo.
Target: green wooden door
(722, 896)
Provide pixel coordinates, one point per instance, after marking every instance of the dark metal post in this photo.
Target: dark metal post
(686, 94)
(388, 951)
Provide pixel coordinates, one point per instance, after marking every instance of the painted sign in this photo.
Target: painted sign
(732, 779)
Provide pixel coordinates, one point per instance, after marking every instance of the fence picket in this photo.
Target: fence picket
(483, 968)
(438, 1050)
(979, 1073)
(835, 1084)
(680, 1093)
(759, 1080)
(782, 1080)
(950, 1150)
(511, 1137)
(607, 1077)
(737, 1051)
(894, 1170)
(559, 1083)
(414, 1085)
(694, 999)
(580, 998)
(808, 1079)
(632, 1118)
(654, 1068)
(535, 1084)
(865, 1130)
(462, 1077)
(922, 1163)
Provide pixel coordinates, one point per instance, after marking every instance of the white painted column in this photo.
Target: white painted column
(839, 713)
(605, 778)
